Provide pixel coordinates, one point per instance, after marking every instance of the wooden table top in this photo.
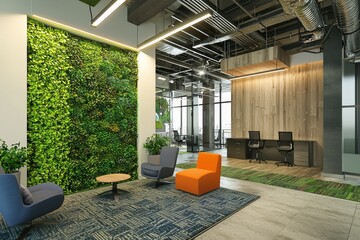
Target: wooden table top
(111, 178)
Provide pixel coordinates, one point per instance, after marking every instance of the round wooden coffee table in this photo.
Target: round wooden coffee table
(114, 179)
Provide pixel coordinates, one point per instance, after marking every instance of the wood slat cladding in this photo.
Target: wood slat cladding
(284, 101)
(254, 62)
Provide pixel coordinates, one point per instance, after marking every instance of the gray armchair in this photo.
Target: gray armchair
(168, 158)
(46, 198)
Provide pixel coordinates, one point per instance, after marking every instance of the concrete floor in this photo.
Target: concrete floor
(285, 214)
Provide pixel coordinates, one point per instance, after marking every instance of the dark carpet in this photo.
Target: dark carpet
(140, 212)
(327, 188)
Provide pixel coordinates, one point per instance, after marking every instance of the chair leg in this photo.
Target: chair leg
(285, 162)
(257, 158)
(25, 232)
(158, 183)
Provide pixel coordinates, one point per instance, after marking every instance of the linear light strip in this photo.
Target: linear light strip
(109, 9)
(259, 73)
(170, 31)
(82, 33)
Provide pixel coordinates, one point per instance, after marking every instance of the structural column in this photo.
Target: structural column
(192, 138)
(333, 103)
(208, 118)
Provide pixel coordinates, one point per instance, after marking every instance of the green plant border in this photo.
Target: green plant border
(311, 185)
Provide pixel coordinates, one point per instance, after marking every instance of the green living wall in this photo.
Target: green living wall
(82, 109)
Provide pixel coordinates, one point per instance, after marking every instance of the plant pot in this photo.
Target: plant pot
(17, 175)
(154, 159)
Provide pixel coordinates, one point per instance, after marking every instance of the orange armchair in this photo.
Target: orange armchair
(202, 179)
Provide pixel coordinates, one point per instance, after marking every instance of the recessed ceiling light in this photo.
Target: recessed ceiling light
(170, 31)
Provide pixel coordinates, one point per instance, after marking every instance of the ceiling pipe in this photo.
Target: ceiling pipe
(192, 51)
(220, 22)
(186, 65)
(347, 14)
(252, 25)
(237, 2)
(307, 11)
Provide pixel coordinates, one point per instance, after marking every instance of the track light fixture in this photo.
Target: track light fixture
(110, 8)
(172, 30)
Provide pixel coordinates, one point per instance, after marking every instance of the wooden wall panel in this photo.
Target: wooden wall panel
(284, 101)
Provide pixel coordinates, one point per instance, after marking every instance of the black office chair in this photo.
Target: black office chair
(255, 144)
(285, 145)
(177, 137)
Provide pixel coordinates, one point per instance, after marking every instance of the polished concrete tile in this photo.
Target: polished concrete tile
(355, 227)
(287, 214)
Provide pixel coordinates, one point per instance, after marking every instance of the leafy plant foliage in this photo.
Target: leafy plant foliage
(155, 142)
(162, 112)
(82, 109)
(12, 157)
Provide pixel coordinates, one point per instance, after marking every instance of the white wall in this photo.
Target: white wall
(13, 72)
(146, 98)
(77, 15)
(13, 58)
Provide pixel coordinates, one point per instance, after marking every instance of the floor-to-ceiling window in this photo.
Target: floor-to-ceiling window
(222, 116)
(187, 113)
(351, 118)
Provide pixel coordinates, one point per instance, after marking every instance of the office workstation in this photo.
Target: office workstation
(302, 155)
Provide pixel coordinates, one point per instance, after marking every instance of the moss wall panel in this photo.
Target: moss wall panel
(91, 128)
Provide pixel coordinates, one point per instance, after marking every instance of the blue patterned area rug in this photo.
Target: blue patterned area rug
(140, 212)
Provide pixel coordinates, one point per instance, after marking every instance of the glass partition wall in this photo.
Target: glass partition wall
(200, 114)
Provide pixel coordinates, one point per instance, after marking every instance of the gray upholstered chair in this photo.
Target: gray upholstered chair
(168, 158)
(46, 197)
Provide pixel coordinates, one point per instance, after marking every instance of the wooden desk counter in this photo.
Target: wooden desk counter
(303, 154)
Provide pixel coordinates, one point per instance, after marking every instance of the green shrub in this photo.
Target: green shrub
(13, 157)
(154, 143)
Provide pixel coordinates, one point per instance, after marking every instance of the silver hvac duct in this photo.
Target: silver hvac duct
(307, 11)
(348, 19)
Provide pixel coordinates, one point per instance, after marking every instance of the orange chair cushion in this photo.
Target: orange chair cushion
(202, 179)
(209, 161)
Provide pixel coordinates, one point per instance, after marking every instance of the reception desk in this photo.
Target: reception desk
(303, 154)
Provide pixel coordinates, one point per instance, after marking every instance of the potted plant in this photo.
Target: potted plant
(12, 158)
(153, 145)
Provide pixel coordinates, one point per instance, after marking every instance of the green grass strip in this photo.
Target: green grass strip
(327, 188)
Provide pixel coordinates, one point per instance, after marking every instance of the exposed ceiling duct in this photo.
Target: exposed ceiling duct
(348, 19)
(307, 11)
